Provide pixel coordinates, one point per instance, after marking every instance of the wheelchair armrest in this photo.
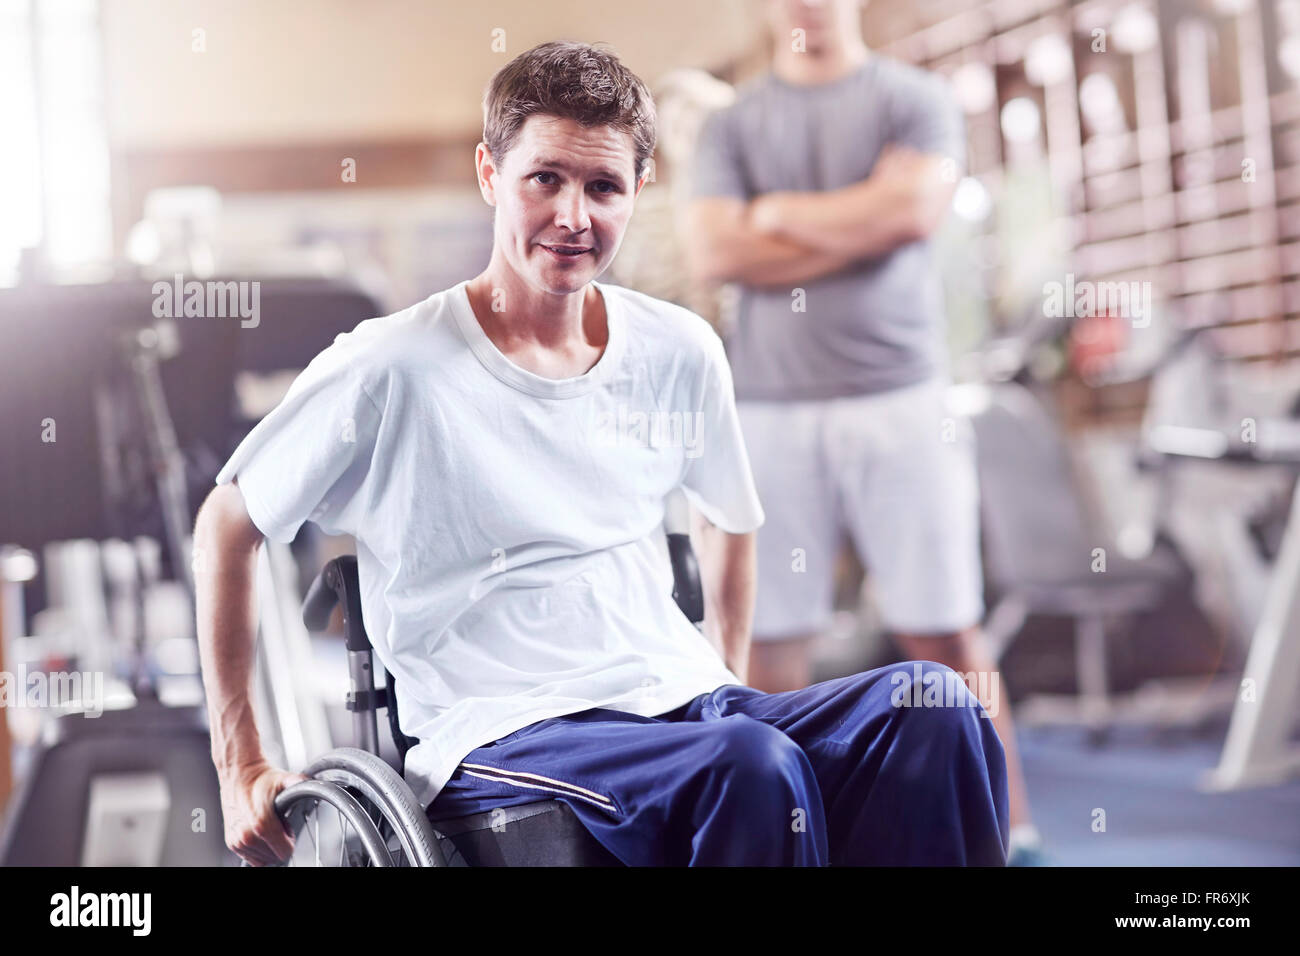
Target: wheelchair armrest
(319, 604)
(687, 591)
(337, 583)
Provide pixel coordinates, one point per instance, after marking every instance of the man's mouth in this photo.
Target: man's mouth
(568, 252)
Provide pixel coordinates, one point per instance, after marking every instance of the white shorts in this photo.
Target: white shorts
(895, 470)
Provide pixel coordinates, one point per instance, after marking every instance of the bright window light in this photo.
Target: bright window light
(54, 173)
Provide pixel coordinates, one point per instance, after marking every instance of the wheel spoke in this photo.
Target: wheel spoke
(306, 822)
(343, 839)
(316, 838)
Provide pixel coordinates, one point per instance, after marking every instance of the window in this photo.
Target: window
(54, 174)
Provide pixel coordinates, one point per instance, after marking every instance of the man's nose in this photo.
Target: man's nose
(571, 210)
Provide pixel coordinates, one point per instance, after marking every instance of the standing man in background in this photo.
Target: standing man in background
(817, 192)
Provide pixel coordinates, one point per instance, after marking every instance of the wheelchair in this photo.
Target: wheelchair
(373, 816)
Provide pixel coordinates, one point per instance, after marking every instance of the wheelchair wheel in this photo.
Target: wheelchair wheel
(331, 827)
(385, 800)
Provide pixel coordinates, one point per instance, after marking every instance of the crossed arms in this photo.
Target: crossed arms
(782, 238)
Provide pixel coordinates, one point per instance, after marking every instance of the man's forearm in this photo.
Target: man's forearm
(904, 199)
(729, 564)
(225, 581)
(724, 246)
(735, 609)
(767, 262)
(864, 220)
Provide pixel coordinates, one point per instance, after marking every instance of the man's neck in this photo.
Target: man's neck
(552, 336)
(815, 67)
(513, 312)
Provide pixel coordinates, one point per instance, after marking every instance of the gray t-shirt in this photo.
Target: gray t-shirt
(878, 324)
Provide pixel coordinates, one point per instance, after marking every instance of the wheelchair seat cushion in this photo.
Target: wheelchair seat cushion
(545, 833)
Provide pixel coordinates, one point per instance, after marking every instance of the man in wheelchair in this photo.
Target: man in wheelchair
(491, 450)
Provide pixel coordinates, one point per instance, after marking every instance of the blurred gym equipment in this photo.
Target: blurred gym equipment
(1257, 749)
(1042, 550)
(129, 418)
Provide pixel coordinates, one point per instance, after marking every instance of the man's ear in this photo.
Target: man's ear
(647, 175)
(486, 168)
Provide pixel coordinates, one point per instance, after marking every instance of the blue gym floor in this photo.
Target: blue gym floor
(1146, 781)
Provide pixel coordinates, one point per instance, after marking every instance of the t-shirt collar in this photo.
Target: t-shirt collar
(511, 374)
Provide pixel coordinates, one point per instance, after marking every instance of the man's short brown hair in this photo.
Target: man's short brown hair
(574, 81)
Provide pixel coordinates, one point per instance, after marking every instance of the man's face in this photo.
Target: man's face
(824, 22)
(563, 197)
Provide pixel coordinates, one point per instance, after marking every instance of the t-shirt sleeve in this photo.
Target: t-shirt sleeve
(928, 118)
(717, 478)
(309, 459)
(717, 167)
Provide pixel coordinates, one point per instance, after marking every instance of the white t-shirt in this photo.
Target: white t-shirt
(509, 526)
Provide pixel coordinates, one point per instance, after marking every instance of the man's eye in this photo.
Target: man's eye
(606, 182)
(535, 175)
